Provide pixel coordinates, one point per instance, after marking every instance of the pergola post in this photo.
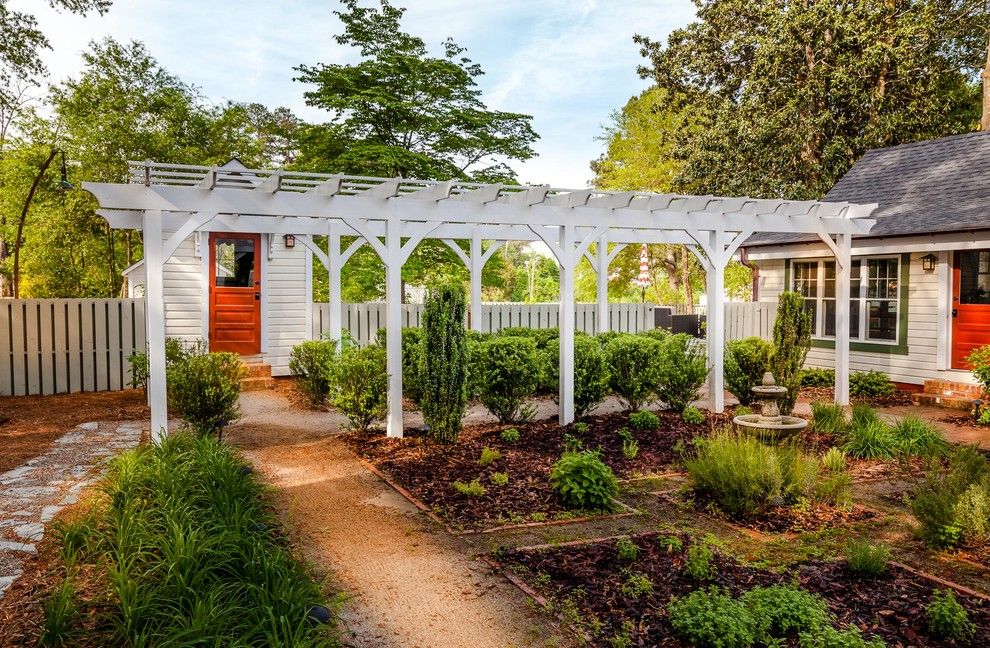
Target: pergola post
(715, 327)
(393, 325)
(334, 268)
(566, 324)
(601, 268)
(477, 264)
(154, 260)
(843, 278)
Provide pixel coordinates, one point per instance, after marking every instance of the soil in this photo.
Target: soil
(428, 470)
(591, 578)
(29, 424)
(827, 394)
(794, 519)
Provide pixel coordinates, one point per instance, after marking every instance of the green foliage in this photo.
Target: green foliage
(644, 420)
(914, 436)
(444, 362)
(472, 488)
(710, 618)
(791, 339)
(508, 371)
(683, 370)
(698, 562)
(489, 456)
(637, 585)
(947, 619)
(203, 390)
(499, 478)
(634, 369)
(693, 415)
(412, 352)
(830, 637)
(828, 418)
(746, 361)
(785, 611)
(867, 560)
(572, 443)
(818, 378)
(834, 460)
(936, 502)
(591, 374)
(314, 361)
(176, 350)
(581, 427)
(626, 550)
(509, 435)
(979, 359)
(869, 439)
(742, 410)
(583, 481)
(61, 614)
(361, 391)
(972, 513)
(870, 384)
(630, 446)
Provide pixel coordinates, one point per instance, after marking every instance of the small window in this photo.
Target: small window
(974, 277)
(235, 263)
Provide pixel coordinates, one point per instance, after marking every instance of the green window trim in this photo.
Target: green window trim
(901, 348)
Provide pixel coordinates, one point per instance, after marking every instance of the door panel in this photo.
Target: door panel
(235, 293)
(970, 304)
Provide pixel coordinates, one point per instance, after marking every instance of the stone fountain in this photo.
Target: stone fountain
(770, 424)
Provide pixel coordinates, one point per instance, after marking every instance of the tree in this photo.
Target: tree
(791, 342)
(443, 362)
(787, 95)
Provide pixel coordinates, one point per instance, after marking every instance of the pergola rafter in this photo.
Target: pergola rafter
(393, 215)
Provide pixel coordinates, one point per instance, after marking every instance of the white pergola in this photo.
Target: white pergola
(393, 215)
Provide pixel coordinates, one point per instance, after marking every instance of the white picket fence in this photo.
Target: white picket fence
(749, 319)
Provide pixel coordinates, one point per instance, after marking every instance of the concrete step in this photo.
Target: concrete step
(257, 383)
(950, 402)
(258, 369)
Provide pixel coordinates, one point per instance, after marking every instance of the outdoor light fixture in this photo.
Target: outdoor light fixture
(928, 262)
(63, 183)
(290, 241)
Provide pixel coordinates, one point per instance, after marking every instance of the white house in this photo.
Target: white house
(920, 294)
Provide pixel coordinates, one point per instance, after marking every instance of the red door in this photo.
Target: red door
(235, 293)
(970, 304)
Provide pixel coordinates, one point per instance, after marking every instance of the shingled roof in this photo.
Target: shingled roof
(939, 185)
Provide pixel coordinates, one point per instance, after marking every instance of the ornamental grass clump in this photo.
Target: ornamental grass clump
(313, 362)
(583, 481)
(828, 419)
(443, 363)
(203, 390)
(914, 436)
(508, 371)
(867, 560)
(867, 436)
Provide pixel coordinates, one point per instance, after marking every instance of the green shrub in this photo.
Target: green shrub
(710, 618)
(583, 481)
(698, 562)
(870, 384)
(626, 550)
(572, 443)
(176, 350)
(644, 420)
(872, 440)
(818, 378)
(935, 503)
(947, 619)
(835, 486)
(630, 446)
(867, 560)
(472, 488)
(634, 372)
(972, 513)
(829, 637)
(203, 390)
(637, 585)
(745, 363)
(314, 363)
(683, 369)
(781, 611)
(591, 374)
(581, 427)
(412, 351)
(361, 390)
(834, 460)
(979, 359)
(791, 339)
(914, 436)
(694, 416)
(489, 456)
(443, 362)
(742, 410)
(828, 418)
(659, 334)
(509, 435)
(508, 370)
(499, 478)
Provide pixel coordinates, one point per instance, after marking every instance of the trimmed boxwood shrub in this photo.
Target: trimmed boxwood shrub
(443, 362)
(203, 390)
(745, 363)
(634, 369)
(313, 362)
(411, 353)
(870, 384)
(818, 378)
(507, 371)
(583, 481)
(591, 374)
(361, 389)
(682, 371)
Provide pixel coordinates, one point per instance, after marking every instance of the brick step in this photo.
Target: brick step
(950, 402)
(257, 383)
(949, 389)
(258, 369)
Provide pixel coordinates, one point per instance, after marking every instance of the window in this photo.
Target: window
(974, 277)
(874, 297)
(235, 263)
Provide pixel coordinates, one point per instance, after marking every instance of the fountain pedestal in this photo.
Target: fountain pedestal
(770, 424)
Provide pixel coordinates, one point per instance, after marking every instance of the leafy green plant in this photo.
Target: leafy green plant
(694, 416)
(581, 427)
(828, 418)
(637, 585)
(742, 410)
(935, 503)
(914, 436)
(710, 618)
(698, 561)
(740, 474)
(867, 560)
(412, 351)
(746, 361)
(583, 481)
(818, 378)
(509, 435)
(176, 350)
(626, 550)
(509, 370)
(781, 611)
(644, 420)
(203, 390)
(630, 446)
(868, 437)
(972, 513)
(634, 372)
(473, 488)
(591, 374)
(834, 460)
(683, 369)
(792, 340)
(572, 443)
(672, 544)
(947, 619)
(443, 362)
(314, 363)
(830, 637)
(489, 456)
(61, 613)
(870, 384)
(361, 391)
(499, 478)
(979, 359)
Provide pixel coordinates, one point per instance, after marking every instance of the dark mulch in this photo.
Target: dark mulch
(428, 470)
(827, 394)
(591, 577)
(965, 420)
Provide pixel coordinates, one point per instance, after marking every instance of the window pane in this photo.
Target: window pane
(882, 324)
(829, 287)
(855, 279)
(829, 318)
(235, 263)
(882, 282)
(974, 277)
(854, 318)
(806, 279)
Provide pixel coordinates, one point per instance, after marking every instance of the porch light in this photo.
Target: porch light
(290, 241)
(63, 183)
(928, 262)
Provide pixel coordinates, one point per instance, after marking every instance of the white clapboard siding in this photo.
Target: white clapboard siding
(54, 346)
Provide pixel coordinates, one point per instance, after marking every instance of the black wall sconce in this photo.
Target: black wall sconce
(290, 241)
(928, 262)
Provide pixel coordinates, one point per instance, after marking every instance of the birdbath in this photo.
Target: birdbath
(770, 424)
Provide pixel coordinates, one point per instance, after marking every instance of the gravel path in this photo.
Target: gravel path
(33, 493)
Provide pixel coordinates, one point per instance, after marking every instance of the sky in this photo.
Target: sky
(568, 63)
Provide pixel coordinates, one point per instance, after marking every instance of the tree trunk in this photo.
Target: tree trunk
(20, 223)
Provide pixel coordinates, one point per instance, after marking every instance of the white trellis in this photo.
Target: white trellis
(393, 215)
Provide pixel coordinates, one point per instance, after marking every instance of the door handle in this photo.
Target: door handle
(955, 312)
(257, 296)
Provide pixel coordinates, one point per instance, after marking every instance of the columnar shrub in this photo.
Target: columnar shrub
(443, 362)
(791, 341)
(583, 481)
(203, 390)
(745, 363)
(508, 371)
(361, 389)
(634, 369)
(313, 362)
(683, 369)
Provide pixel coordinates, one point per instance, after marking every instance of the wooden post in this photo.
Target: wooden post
(477, 265)
(155, 312)
(843, 276)
(566, 323)
(602, 297)
(716, 323)
(336, 265)
(393, 325)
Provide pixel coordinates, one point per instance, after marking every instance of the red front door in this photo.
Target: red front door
(970, 304)
(235, 293)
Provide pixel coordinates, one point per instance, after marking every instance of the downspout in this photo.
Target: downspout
(754, 270)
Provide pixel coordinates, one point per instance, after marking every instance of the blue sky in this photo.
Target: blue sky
(569, 63)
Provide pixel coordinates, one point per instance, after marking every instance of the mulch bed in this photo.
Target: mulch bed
(428, 470)
(590, 577)
(827, 394)
(965, 420)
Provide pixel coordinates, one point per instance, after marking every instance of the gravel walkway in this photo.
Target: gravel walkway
(33, 493)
